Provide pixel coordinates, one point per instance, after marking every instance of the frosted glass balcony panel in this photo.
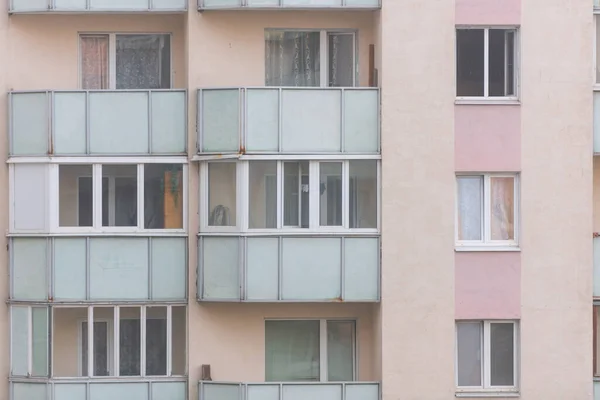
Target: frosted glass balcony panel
(362, 3)
(596, 3)
(221, 268)
(262, 269)
(297, 4)
(219, 3)
(29, 391)
(361, 269)
(220, 120)
(362, 391)
(169, 261)
(311, 268)
(118, 122)
(321, 392)
(169, 391)
(70, 268)
(30, 203)
(119, 4)
(118, 268)
(29, 266)
(28, 5)
(596, 267)
(39, 338)
(596, 390)
(118, 391)
(263, 119)
(168, 121)
(311, 121)
(361, 121)
(262, 3)
(69, 123)
(19, 343)
(70, 5)
(263, 392)
(220, 391)
(163, 5)
(70, 391)
(29, 123)
(312, 3)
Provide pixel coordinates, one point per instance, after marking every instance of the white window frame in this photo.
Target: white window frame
(243, 199)
(113, 339)
(486, 68)
(323, 344)
(486, 243)
(486, 358)
(112, 55)
(324, 52)
(97, 177)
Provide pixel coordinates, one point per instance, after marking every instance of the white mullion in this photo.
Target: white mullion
(324, 60)
(116, 341)
(323, 375)
(90, 340)
(486, 355)
(313, 195)
(487, 214)
(97, 195)
(486, 62)
(242, 195)
(346, 194)
(143, 341)
(279, 178)
(29, 341)
(140, 196)
(169, 340)
(54, 197)
(112, 61)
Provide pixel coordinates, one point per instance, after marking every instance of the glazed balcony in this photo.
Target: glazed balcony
(296, 390)
(288, 4)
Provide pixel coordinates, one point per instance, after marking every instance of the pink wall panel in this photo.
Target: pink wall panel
(488, 12)
(488, 285)
(487, 138)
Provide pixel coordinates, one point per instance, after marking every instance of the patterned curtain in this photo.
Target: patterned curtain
(94, 62)
(292, 58)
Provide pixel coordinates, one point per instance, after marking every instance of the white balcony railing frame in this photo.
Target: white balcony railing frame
(243, 4)
(243, 268)
(243, 387)
(243, 117)
(50, 118)
(51, 8)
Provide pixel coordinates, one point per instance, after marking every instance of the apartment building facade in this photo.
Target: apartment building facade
(298, 199)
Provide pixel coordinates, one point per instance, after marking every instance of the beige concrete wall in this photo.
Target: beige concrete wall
(417, 309)
(556, 200)
(58, 52)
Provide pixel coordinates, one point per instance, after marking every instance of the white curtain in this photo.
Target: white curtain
(143, 62)
(470, 206)
(94, 62)
(292, 351)
(292, 58)
(502, 199)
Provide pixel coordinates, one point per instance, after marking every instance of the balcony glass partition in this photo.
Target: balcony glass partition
(288, 4)
(287, 391)
(134, 122)
(84, 6)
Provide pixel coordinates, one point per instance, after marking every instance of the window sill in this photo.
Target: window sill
(486, 248)
(487, 394)
(487, 101)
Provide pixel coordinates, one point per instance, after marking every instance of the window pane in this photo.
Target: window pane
(163, 196)
(469, 353)
(502, 201)
(597, 53)
(39, 347)
(469, 62)
(222, 194)
(292, 58)
(119, 187)
(94, 62)
(501, 61)
(143, 61)
(75, 195)
(363, 194)
(340, 351)
(263, 194)
(129, 341)
(178, 340)
(103, 317)
(470, 207)
(502, 353)
(292, 351)
(295, 194)
(341, 59)
(330, 201)
(156, 341)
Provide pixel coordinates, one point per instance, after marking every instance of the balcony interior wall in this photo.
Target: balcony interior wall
(52, 42)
